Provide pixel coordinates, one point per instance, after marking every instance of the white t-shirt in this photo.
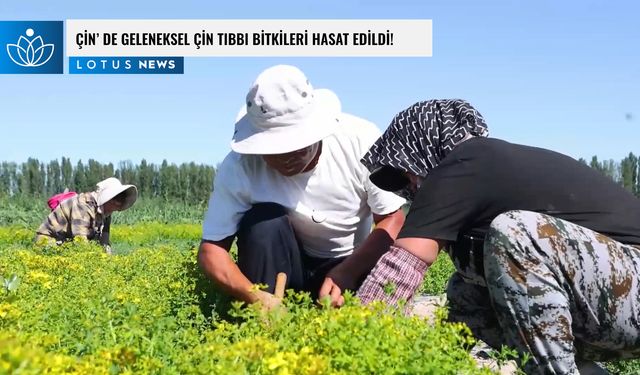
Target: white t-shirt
(329, 207)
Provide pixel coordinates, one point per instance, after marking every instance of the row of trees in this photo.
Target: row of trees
(188, 182)
(625, 172)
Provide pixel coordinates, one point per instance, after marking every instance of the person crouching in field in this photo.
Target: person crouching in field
(546, 249)
(87, 215)
(295, 195)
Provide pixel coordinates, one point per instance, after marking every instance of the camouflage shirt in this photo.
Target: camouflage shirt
(79, 216)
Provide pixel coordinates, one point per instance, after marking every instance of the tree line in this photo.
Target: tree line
(626, 172)
(187, 182)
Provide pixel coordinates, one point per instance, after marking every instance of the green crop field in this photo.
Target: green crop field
(148, 309)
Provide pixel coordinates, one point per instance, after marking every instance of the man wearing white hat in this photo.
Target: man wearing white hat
(87, 215)
(295, 195)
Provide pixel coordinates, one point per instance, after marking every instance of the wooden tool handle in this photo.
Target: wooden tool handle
(281, 281)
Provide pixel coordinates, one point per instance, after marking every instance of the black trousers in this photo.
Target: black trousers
(268, 245)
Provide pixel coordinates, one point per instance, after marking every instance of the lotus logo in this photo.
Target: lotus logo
(30, 52)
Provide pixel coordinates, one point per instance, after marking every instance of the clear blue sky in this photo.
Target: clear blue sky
(564, 75)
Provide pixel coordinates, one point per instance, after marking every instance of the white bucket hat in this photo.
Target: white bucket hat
(109, 188)
(283, 113)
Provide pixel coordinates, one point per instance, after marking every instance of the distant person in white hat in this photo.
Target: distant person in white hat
(87, 215)
(295, 195)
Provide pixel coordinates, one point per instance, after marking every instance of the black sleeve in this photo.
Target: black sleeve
(445, 205)
(105, 238)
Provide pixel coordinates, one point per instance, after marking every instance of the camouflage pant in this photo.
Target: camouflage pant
(558, 291)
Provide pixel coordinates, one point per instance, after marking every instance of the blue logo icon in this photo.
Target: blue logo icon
(31, 47)
(32, 52)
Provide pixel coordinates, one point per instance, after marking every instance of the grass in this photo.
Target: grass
(29, 212)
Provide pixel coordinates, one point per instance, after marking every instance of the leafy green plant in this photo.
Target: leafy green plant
(151, 311)
(437, 276)
(627, 367)
(506, 354)
(389, 288)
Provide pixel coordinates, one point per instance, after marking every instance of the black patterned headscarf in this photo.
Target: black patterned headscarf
(419, 137)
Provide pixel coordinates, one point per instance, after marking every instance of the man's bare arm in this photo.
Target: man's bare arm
(346, 274)
(217, 264)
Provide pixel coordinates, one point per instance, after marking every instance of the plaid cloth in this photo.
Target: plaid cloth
(75, 217)
(396, 277)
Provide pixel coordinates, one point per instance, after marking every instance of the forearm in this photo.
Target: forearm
(377, 244)
(365, 257)
(424, 248)
(105, 239)
(218, 266)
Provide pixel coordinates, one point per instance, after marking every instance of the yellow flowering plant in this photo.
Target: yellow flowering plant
(75, 309)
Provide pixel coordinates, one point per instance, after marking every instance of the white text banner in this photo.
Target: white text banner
(257, 38)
